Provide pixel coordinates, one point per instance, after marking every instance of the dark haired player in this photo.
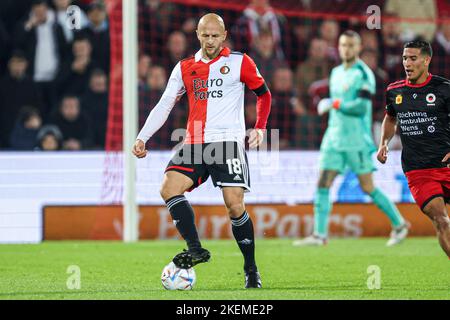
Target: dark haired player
(419, 106)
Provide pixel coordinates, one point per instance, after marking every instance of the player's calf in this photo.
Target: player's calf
(437, 213)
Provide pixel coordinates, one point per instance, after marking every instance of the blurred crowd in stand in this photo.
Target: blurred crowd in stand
(54, 77)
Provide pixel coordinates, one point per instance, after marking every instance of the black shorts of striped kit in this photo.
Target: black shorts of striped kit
(226, 162)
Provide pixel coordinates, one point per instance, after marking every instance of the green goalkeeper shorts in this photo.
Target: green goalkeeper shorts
(360, 162)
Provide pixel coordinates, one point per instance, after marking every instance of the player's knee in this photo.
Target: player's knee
(438, 216)
(166, 191)
(324, 184)
(235, 210)
(441, 223)
(367, 188)
(326, 179)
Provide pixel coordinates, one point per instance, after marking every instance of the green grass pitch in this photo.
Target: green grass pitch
(416, 269)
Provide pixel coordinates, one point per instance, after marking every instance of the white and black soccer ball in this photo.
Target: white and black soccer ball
(174, 278)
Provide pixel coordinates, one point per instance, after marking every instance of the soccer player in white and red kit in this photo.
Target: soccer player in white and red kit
(420, 106)
(214, 80)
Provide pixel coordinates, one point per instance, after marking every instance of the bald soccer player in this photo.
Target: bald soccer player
(214, 80)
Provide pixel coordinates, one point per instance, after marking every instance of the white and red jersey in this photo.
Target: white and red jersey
(215, 92)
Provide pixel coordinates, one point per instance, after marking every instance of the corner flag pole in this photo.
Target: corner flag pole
(130, 119)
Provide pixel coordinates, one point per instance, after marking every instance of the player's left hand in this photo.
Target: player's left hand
(446, 158)
(256, 138)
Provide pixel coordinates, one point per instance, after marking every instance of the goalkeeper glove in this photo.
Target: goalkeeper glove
(326, 104)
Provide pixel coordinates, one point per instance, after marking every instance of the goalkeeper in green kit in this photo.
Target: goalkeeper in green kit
(348, 142)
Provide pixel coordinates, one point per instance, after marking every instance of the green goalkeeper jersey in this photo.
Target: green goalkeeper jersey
(350, 126)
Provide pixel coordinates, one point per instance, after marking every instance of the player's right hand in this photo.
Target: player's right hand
(324, 106)
(382, 153)
(139, 149)
(446, 159)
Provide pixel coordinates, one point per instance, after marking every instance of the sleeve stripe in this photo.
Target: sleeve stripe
(365, 94)
(261, 90)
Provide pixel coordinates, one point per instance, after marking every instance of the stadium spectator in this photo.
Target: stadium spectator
(316, 67)
(259, 15)
(43, 30)
(75, 126)
(97, 31)
(369, 39)
(154, 87)
(12, 11)
(189, 25)
(24, 134)
(329, 31)
(95, 104)
(156, 79)
(149, 96)
(144, 64)
(176, 50)
(49, 138)
(16, 90)
(155, 24)
(310, 126)
(75, 73)
(300, 33)
(282, 116)
(370, 57)
(414, 9)
(391, 60)
(61, 7)
(5, 45)
(263, 54)
(228, 43)
(42, 40)
(441, 49)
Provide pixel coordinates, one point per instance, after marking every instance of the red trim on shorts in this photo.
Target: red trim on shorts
(179, 168)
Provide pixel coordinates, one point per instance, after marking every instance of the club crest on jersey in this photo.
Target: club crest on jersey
(431, 99)
(224, 70)
(398, 99)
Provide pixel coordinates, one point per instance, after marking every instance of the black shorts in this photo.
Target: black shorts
(226, 162)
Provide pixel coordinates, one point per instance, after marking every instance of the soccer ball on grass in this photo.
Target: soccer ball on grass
(174, 278)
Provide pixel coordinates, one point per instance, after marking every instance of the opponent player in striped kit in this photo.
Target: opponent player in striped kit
(214, 80)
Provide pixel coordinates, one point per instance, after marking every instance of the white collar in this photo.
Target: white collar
(198, 55)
